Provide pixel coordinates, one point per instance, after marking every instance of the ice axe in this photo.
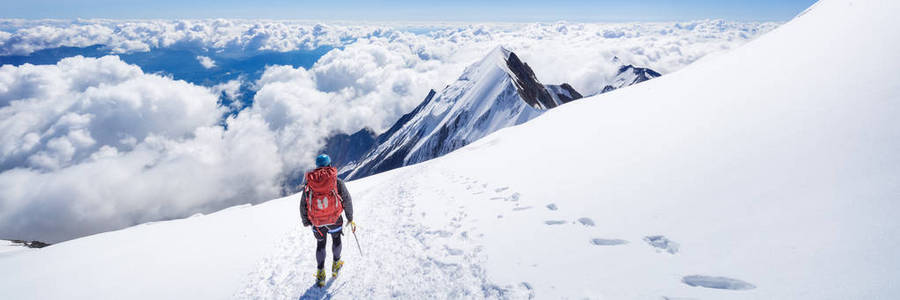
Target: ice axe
(357, 239)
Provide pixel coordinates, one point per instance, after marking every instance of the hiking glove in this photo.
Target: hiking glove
(352, 226)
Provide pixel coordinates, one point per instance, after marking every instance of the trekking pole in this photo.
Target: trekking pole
(357, 244)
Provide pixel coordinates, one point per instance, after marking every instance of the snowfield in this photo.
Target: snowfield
(769, 172)
(8, 247)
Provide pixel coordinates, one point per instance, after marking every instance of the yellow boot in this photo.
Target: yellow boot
(335, 267)
(320, 277)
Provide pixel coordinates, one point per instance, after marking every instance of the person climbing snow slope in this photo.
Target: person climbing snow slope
(324, 198)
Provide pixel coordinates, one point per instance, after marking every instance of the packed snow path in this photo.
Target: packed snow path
(408, 253)
(425, 240)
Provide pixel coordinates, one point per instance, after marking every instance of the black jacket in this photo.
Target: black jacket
(346, 201)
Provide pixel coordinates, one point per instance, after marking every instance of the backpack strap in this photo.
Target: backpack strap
(338, 200)
(308, 199)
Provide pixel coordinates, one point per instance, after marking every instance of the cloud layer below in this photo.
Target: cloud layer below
(21, 37)
(94, 144)
(90, 145)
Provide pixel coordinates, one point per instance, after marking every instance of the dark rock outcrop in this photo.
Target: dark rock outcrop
(630, 75)
(31, 244)
(533, 92)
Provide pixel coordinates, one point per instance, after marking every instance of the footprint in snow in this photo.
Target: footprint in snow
(514, 197)
(440, 233)
(501, 189)
(552, 206)
(452, 251)
(717, 282)
(586, 221)
(608, 242)
(661, 243)
(521, 208)
(554, 222)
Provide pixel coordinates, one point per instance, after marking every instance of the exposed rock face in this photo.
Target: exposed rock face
(31, 244)
(563, 93)
(531, 91)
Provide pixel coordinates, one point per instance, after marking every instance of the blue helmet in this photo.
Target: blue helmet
(323, 161)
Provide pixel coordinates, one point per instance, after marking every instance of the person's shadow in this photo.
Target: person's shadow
(316, 292)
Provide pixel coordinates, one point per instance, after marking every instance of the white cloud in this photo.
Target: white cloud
(234, 36)
(4, 36)
(90, 145)
(231, 90)
(206, 62)
(81, 104)
(579, 53)
(582, 54)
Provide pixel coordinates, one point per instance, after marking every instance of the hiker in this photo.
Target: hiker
(324, 197)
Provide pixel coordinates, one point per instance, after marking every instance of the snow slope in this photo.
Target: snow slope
(200, 257)
(9, 248)
(779, 181)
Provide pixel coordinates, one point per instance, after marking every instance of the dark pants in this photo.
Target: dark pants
(321, 238)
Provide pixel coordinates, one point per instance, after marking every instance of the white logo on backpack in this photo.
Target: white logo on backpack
(322, 203)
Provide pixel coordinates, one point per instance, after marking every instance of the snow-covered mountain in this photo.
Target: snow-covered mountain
(761, 184)
(629, 75)
(497, 92)
(478, 88)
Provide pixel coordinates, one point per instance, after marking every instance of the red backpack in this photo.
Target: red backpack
(323, 201)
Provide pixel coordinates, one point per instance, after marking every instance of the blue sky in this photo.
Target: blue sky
(413, 10)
